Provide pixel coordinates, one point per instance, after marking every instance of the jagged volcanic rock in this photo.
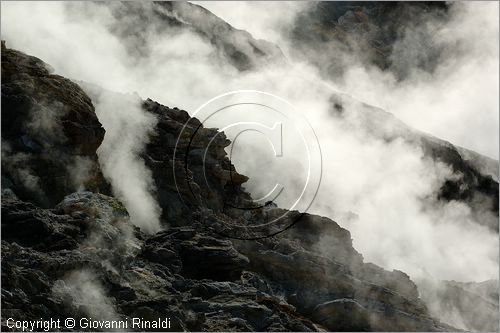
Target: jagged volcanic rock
(235, 46)
(201, 173)
(50, 132)
(476, 183)
(370, 30)
(83, 257)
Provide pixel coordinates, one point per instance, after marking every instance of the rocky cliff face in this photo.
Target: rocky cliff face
(370, 31)
(377, 34)
(69, 253)
(476, 183)
(50, 132)
(136, 22)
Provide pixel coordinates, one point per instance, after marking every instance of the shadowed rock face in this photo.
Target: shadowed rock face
(136, 20)
(83, 257)
(242, 50)
(326, 288)
(476, 183)
(376, 33)
(200, 172)
(50, 132)
(369, 30)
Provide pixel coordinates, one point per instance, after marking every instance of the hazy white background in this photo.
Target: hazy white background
(383, 184)
(458, 103)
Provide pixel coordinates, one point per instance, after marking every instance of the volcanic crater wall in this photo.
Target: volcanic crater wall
(70, 249)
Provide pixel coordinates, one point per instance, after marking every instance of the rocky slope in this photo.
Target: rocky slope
(373, 33)
(476, 183)
(69, 253)
(49, 132)
(378, 34)
(135, 22)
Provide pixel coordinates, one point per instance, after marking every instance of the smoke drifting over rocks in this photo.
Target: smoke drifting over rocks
(408, 58)
(47, 132)
(128, 129)
(412, 202)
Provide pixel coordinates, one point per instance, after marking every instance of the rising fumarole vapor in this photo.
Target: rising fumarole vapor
(144, 177)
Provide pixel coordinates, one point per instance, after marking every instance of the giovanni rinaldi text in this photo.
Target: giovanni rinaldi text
(87, 323)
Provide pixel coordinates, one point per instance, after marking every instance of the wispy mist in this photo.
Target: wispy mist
(457, 102)
(383, 192)
(127, 130)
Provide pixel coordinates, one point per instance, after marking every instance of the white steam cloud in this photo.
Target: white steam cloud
(269, 20)
(384, 193)
(127, 130)
(82, 289)
(459, 102)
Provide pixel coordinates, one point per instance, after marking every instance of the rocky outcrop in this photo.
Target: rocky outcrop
(81, 256)
(197, 280)
(476, 181)
(41, 280)
(110, 270)
(236, 47)
(27, 225)
(189, 160)
(50, 132)
(326, 283)
(201, 256)
(372, 32)
(380, 34)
